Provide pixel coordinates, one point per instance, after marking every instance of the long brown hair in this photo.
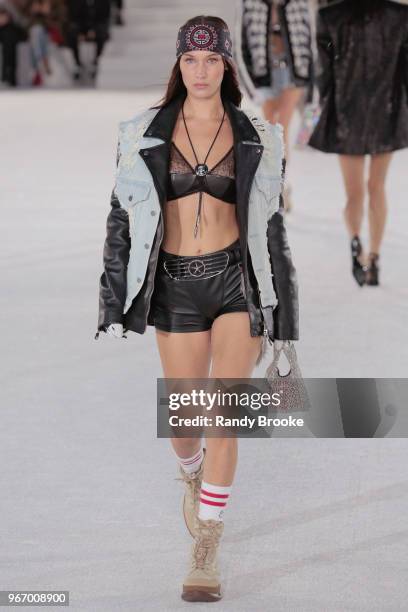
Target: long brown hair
(229, 86)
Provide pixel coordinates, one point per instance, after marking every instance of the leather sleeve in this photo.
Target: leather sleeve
(286, 313)
(113, 282)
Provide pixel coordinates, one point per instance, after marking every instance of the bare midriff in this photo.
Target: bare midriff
(277, 45)
(218, 228)
(219, 225)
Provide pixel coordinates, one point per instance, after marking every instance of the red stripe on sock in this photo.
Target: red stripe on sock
(191, 460)
(223, 495)
(212, 503)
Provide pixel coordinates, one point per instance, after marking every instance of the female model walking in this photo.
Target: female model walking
(196, 246)
(363, 83)
(274, 58)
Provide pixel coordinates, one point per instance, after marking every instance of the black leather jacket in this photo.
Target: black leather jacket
(280, 322)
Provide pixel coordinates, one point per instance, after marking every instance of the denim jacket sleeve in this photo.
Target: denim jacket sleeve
(284, 278)
(112, 284)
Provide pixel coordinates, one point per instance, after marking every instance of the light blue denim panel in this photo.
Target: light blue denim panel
(136, 193)
(136, 197)
(131, 141)
(269, 172)
(281, 79)
(258, 239)
(39, 43)
(263, 203)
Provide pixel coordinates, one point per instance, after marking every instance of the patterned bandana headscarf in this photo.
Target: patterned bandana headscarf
(205, 35)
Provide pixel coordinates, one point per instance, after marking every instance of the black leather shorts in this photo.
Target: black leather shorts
(191, 291)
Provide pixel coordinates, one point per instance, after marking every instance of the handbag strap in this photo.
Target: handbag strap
(288, 348)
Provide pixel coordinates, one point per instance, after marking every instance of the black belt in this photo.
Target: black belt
(199, 267)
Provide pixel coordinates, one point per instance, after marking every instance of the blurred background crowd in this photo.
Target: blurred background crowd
(60, 23)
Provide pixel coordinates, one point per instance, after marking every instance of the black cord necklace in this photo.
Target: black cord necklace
(201, 169)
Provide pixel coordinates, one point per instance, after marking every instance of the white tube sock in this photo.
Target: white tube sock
(191, 464)
(213, 501)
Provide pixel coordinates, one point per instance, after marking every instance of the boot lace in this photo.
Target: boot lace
(206, 544)
(193, 481)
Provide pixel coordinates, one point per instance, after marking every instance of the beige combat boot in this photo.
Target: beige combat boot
(191, 499)
(203, 580)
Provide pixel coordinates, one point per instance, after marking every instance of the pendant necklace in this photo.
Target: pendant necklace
(200, 169)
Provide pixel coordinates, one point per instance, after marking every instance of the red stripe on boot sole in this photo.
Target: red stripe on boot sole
(212, 503)
(223, 495)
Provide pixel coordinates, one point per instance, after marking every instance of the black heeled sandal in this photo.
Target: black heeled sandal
(372, 272)
(358, 270)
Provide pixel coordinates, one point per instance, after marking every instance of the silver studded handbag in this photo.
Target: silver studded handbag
(291, 386)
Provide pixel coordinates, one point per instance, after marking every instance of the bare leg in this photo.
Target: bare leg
(184, 355)
(281, 109)
(270, 109)
(234, 353)
(377, 211)
(352, 167)
(187, 355)
(47, 67)
(287, 103)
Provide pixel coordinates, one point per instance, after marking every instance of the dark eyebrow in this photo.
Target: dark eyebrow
(191, 55)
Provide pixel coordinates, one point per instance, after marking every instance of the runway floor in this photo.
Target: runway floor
(89, 502)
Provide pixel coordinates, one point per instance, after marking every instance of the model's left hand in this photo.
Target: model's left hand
(115, 330)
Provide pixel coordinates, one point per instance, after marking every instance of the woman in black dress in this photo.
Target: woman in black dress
(363, 83)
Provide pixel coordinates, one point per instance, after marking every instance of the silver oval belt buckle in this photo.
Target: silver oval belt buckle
(196, 268)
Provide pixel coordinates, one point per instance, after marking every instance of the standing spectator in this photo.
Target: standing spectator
(11, 33)
(39, 15)
(57, 22)
(87, 20)
(274, 58)
(363, 84)
(118, 8)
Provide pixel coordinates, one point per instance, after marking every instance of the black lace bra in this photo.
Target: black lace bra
(219, 182)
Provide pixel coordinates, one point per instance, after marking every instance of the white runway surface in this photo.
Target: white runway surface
(88, 499)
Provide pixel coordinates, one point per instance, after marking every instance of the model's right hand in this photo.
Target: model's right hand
(115, 330)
